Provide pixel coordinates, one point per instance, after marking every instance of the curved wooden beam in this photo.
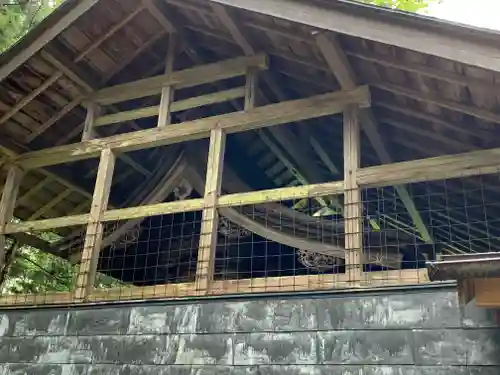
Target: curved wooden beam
(194, 173)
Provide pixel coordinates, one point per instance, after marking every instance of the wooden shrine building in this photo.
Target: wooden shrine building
(215, 148)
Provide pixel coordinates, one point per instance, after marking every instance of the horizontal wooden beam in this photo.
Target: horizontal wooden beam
(405, 31)
(431, 169)
(228, 200)
(220, 287)
(273, 114)
(181, 105)
(195, 76)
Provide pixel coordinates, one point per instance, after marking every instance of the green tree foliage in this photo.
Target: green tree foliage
(17, 17)
(407, 5)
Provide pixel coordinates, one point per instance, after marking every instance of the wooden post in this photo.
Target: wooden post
(93, 238)
(93, 111)
(353, 207)
(210, 218)
(7, 204)
(167, 93)
(251, 88)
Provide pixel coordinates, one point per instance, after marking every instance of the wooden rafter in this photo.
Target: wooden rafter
(46, 36)
(61, 72)
(443, 103)
(341, 68)
(408, 35)
(167, 92)
(424, 70)
(301, 160)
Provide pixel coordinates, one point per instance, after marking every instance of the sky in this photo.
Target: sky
(481, 13)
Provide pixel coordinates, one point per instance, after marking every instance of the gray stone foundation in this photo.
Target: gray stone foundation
(404, 332)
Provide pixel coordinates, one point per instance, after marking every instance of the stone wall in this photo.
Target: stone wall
(406, 332)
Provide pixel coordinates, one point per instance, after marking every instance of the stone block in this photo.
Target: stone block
(366, 347)
(96, 321)
(275, 348)
(134, 350)
(411, 310)
(35, 323)
(218, 317)
(440, 347)
(45, 369)
(216, 349)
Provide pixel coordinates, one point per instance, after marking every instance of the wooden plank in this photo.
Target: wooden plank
(341, 68)
(265, 285)
(88, 129)
(353, 205)
(49, 205)
(7, 204)
(251, 89)
(229, 200)
(180, 79)
(473, 163)
(24, 199)
(158, 15)
(51, 121)
(113, 30)
(181, 105)
(30, 97)
(93, 237)
(443, 103)
(380, 27)
(233, 29)
(167, 92)
(270, 115)
(45, 37)
(205, 265)
(487, 293)
(24, 300)
(424, 70)
(242, 286)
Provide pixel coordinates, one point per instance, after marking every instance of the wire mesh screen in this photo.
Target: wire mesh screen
(154, 251)
(287, 245)
(450, 216)
(37, 269)
(265, 247)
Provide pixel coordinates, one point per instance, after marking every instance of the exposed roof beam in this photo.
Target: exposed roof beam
(406, 35)
(476, 133)
(448, 104)
(260, 117)
(341, 68)
(301, 158)
(46, 36)
(424, 70)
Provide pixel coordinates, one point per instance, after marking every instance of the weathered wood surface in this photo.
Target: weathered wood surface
(7, 204)
(210, 217)
(409, 35)
(270, 115)
(353, 205)
(93, 238)
(256, 285)
(180, 79)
